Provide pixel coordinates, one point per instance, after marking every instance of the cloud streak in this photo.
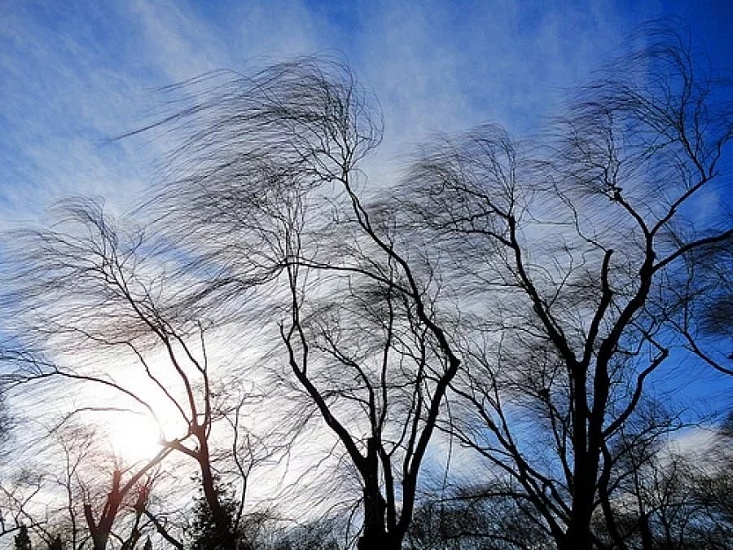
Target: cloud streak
(78, 73)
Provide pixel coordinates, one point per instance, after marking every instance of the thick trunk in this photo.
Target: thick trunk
(374, 505)
(220, 517)
(99, 540)
(100, 530)
(383, 541)
(376, 535)
(577, 536)
(647, 541)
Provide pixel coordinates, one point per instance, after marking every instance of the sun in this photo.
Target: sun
(134, 437)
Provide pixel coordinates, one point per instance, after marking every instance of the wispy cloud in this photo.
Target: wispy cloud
(78, 73)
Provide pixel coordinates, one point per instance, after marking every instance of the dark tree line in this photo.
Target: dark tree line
(516, 300)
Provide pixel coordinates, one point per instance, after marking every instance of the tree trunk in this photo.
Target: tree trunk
(100, 530)
(383, 541)
(374, 505)
(578, 535)
(220, 516)
(647, 541)
(376, 536)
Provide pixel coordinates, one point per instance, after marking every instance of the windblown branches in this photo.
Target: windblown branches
(271, 195)
(253, 170)
(586, 241)
(531, 289)
(88, 279)
(102, 314)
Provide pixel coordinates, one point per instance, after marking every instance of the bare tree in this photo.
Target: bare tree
(518, 296)
(486, 517)
(16, 503)
(575, 255)
(95, 301)
(680, 493)
(267, 189)
(26, 491)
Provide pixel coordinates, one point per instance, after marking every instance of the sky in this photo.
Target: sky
(77, 74)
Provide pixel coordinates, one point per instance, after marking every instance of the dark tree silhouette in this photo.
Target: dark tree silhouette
(22, 539)
(578, 257)
(88, 287)
(515, 296)
(205, 530)
(271, 195)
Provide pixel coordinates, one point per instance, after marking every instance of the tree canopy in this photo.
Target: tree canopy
(467, 356)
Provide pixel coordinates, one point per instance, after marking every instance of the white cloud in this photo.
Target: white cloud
(85, 71)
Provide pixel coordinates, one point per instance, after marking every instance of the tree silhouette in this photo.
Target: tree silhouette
(510, 298)
(270, 196)
(92, 287)
(580, 257)
(205, 531)
(22, 539)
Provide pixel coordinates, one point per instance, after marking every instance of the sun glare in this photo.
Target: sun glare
(134, 437)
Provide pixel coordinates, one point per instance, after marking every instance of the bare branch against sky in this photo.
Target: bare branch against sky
(365, 269)
(76, 74)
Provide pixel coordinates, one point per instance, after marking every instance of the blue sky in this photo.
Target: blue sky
(75, 73)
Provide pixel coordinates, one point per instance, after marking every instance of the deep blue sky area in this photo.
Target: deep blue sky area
(78, 72)
(75, 73)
